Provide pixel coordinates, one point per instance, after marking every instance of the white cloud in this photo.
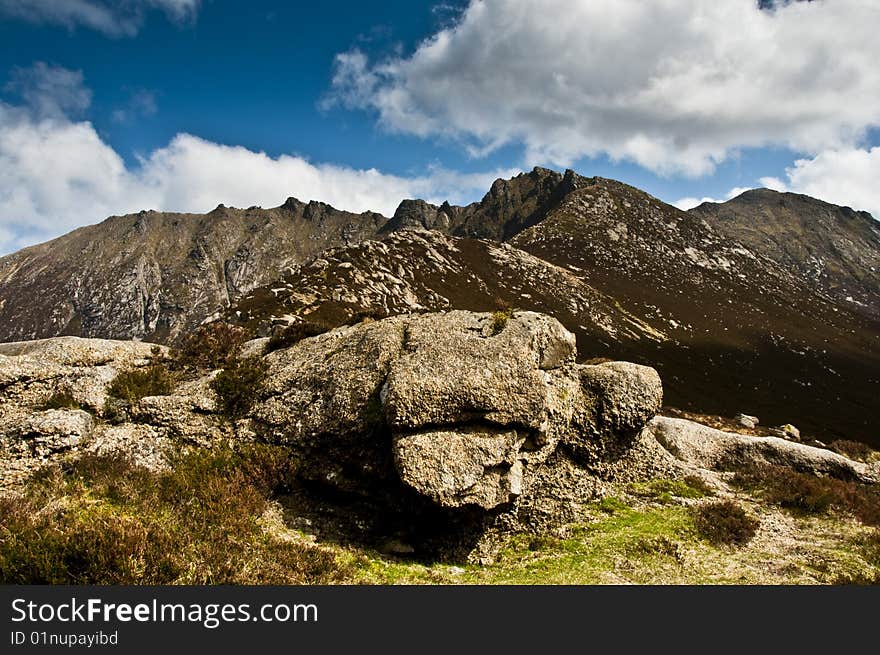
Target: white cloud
(50, 91)
(847, 176)
(112, 17)
(689, 202)
(56, 175)
(673, 85)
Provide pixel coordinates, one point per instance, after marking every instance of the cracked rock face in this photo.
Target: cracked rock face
(461, 409)
(477, 466)
(457, 407)
(618, 399)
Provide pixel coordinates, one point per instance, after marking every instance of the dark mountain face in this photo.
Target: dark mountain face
(719, 302)
(729, 327)
(835, 249)
(155, 275)
(744, 330)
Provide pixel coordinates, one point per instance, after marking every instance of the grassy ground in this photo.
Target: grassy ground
(657, 543)
(215, 518)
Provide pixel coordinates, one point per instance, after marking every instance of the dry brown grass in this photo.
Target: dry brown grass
(811, 494)
(102, 520)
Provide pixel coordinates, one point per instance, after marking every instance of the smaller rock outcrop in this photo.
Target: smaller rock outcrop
(709, 448)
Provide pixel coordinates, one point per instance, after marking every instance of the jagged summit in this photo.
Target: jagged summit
(768, 302)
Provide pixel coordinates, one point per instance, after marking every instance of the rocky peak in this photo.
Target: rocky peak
(418, 214)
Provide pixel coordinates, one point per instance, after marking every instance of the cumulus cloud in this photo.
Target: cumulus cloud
(674, 86)
(50, 91)
(847, 176)
(57, 174)
(112, 17)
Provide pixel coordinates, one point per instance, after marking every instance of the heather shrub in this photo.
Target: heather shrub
(103, 520)
(724, 522)
(210, 346)
(852, 449)
(238, 386)
(132, 385)
(811, 494)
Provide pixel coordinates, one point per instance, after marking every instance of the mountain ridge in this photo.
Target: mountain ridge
(723, 309)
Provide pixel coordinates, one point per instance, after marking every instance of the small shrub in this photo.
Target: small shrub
(134, 384)
(296, 332)
(697, 483)
(367, 316)
(210, 347)
(852, 449)
(61, 400)
(657, 545)
(665, 490)
(725, 522)
(811, 494)
(238, 386)
(499, 321)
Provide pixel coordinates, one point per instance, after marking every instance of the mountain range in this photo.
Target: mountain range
(767, 304)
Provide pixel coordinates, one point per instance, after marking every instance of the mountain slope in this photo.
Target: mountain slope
(730, 328)
(835, 248)
(722, 305)
(154, 275)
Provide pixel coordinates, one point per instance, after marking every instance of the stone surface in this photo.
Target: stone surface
(32, 372)
(454, 370)
(709, 448)
(325, 390)
(142, 444)
(618, 399)
(479, 466)
(747, 421)
(469, 406)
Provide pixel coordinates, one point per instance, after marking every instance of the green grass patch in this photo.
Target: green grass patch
(665, 490)
(638, 545)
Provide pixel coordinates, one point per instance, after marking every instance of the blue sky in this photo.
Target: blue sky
(168, 104)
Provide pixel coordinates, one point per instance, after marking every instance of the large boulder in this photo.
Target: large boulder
(459, 406)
